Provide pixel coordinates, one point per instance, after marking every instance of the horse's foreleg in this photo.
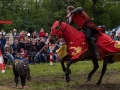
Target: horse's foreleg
(62, 64)
(68, 71)
(96, 66)
(103, 69)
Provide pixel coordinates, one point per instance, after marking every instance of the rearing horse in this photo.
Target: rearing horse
(77, 48)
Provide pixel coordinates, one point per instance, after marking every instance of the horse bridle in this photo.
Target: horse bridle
(58, 28)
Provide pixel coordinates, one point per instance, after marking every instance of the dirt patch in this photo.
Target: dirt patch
(12, 87)
(96, 87)
(111, 81)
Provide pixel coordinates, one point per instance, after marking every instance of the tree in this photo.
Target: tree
(42, 13)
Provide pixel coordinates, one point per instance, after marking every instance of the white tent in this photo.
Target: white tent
(117, 30)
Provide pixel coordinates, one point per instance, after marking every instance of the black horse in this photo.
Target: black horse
(20, 68)
(75, 41)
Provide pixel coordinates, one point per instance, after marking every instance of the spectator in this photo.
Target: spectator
(2, 43)
(8, 52)
(23, 52)
(47, 53)
(17, 56)
(21, 44)
(25, 34)
(113, 35)
(25, 47)
(28, 45)
(21, 35)
(42, 33)
(41, 57)
(34, 35)
(118, 36)
(21, 57)
(24, 56)
(46, 37)
(33, 52)
(3, 33)
(15, 33)
(15, 46)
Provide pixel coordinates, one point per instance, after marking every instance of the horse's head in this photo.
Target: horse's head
(26, 72)
(56, 31)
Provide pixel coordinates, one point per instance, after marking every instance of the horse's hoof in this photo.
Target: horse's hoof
(88, 79)
(15, 87)
(98, 83)
(68, 80)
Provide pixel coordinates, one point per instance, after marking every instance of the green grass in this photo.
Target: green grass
(46, 77)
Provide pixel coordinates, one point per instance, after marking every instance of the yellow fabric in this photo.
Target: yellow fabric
(62, 51)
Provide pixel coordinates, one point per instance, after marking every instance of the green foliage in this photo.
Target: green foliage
(42, 13)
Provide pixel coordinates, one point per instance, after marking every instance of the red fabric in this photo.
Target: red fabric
(23, 52)
(59, 33)
(42, 34)
(83, 18)
(80, 19)
(100, 29)
(107, 45)
(21, 37)
(75, 40)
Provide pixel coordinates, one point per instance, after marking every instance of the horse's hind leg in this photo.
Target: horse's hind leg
(96, 66)
(105, 61)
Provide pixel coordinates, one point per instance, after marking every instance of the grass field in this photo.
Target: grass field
(46, 77)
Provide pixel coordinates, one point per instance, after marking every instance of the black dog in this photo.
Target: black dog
(20, 68)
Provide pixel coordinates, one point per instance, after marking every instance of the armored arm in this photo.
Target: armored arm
(77, 10)
(70, 15)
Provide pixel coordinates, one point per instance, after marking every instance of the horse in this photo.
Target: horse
(20, 68)
(77, 48)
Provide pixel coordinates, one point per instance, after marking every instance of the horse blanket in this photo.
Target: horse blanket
(107, 45)
(77, 44)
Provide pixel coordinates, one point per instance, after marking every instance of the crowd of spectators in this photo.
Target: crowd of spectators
(115, 36)
(26, 46)
(29, 46)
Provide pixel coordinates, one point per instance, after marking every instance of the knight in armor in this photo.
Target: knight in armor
(83, 21)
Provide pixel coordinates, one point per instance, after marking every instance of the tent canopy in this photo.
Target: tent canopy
(5, 22)
(117, 30)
